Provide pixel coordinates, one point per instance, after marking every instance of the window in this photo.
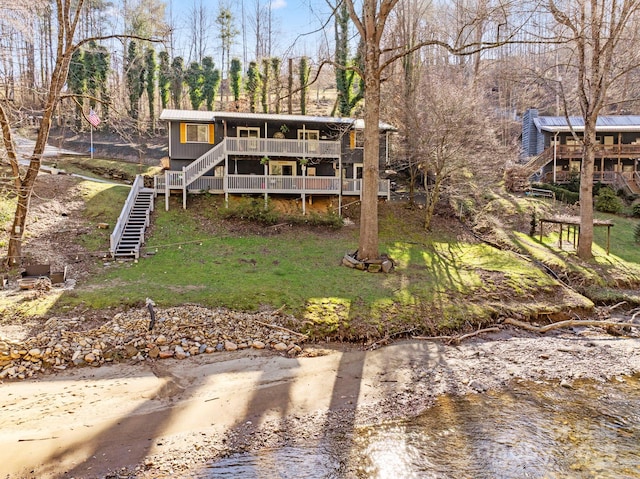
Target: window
(312, 136)
(356, 139)
(249, 132)
(196, 133)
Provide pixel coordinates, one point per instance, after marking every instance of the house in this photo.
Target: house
(234, 153)
(552, 147)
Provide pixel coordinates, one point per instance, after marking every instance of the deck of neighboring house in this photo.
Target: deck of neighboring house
(554, 149)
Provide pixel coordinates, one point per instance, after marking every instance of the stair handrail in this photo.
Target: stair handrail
(533, 164)
(116, 236)
(204, 163)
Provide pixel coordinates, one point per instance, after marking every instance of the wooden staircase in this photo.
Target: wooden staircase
(128, 234)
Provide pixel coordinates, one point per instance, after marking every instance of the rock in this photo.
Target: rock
(280, 347)
(180, 353)
(477, 386)
(35, 353)
(154, 352)
(165, 354)
(258, 345)
(230, 346)
(161, 340)
(566, 384)
(130, 350)
(90, 358)
(202, 349)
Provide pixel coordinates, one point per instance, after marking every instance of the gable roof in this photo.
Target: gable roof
(617, 123)
(209, 116)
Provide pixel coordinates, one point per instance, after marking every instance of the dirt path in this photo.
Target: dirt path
(168, 418)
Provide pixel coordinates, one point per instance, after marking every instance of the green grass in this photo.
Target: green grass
(437, 285)
(443, 280)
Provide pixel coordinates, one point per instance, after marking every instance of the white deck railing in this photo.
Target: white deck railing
(317, 185)
(199, 167)
(276, 147)
(115, 237)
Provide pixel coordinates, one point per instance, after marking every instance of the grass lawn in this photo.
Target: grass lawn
(443, 280)
(439, 283)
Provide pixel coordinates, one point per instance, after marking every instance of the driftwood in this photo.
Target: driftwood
(457, 339)
(281, 328)
(567, 324)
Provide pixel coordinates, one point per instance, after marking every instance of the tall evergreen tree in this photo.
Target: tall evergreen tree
(177, 81)
(211, 82)
(236, 78)
(102, 65)
(164, 79)
(77, 83)
(304, 71)
(151, 68)
(264, 88)
(194, 79)
(134, 79)
(276, 63)
(253, 86)
(345, 77)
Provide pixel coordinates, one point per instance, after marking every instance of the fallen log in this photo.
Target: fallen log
(457, 339)
(567, 324)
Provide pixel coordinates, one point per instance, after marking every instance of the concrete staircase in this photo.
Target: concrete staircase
(128, 235)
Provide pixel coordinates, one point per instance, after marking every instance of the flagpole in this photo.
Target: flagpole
(91, 147)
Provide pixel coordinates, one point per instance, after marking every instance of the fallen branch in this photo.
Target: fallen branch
(275, 326)
(566, 324)
(621, 303)
(457, 339)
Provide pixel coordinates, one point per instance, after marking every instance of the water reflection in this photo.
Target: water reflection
(531, 431)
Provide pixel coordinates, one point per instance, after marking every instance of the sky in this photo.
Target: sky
(294, 22)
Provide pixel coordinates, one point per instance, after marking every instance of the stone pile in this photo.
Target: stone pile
(178, 333)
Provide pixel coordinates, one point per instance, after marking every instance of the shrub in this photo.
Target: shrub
(253, 209)
(635, 210)
(607, 201)
(562, 194)
(636, 233)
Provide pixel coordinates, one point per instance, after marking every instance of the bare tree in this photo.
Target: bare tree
(599, 34)
(68, 14)
(462, 41)
(200, 24)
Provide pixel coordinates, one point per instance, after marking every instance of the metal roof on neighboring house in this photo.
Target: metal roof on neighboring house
(612, 123)
(193, 115)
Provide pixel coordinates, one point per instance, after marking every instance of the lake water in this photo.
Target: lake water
(534, 430)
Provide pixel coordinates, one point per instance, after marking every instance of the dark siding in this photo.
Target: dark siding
(530, 138)
(190, 151)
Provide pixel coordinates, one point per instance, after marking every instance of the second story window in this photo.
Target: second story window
(196, 133)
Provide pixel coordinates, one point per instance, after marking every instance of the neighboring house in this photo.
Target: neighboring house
(268, 154)
(552, 146)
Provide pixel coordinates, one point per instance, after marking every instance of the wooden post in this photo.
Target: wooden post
(541, 223)
(560, 235)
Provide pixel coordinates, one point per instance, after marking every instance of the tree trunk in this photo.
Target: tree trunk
(14, 252)
(368, 241)
(585, 237)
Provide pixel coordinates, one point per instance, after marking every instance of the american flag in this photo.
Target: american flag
(93, 118)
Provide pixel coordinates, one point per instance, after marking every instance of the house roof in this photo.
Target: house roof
(559, 124)
(208, 116)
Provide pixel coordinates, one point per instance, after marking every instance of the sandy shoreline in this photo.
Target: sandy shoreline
(168, 418)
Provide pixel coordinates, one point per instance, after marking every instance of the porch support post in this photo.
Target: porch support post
(304, 189)
(266, 186)
(184, 190)
(340, 185)
(225, 181)
(167, 191)
(555, 156)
